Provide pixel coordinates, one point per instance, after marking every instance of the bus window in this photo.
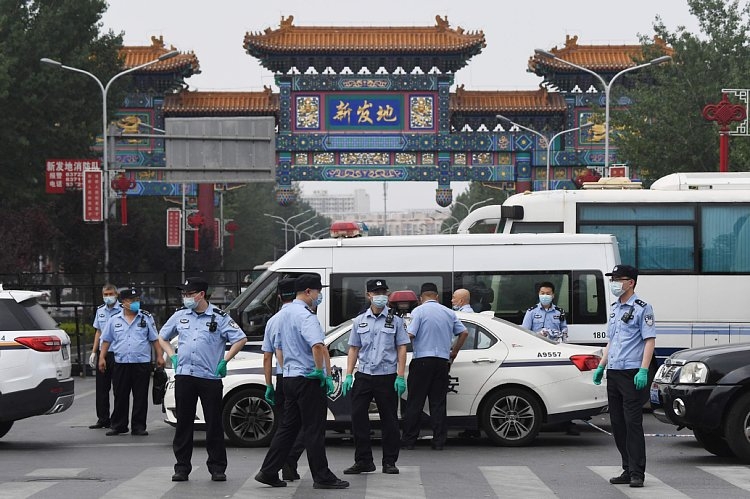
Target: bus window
(588, 302)
(536, 228)
(725, 232)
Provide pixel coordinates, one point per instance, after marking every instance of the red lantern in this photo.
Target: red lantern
(196, 220)
(231, 227)
(122, 184)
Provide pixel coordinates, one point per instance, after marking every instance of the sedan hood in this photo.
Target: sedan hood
(704, 354)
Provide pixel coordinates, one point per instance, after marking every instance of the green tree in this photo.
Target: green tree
(475, 196)
(664, 130)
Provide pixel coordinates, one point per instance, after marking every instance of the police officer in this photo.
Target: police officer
(202, 331)
(130, 334)
(460, 300)
(548, 320)
(273, 396)
(432, 329)
(631, 339)
(302, 341)
(378, 342)
(104, 312)
(545, 317)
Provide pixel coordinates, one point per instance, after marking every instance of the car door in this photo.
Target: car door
(481, 355)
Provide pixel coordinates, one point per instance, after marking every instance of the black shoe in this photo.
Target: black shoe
(180, 476)
(99, 425)
(289, 474)
(139, 433)
(470, 434)
(437, 446)
(218, 477)
(636, 481)
(622, 479)
(407, 445)
(389, 469)
(268, 479)
(358, 468)
(336, 484)
(115, 432)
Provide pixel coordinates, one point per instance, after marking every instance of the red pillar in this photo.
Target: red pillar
(724, 151)
(206, 206)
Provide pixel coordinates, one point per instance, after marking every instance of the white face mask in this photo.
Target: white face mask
(616, 288)
(545, 300)
(380, 301)
(109, 300)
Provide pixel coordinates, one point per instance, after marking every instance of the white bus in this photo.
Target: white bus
(689, 236)
(500, 272)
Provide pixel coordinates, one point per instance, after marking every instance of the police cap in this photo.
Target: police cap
(129, 293)
(286, 287)
(624, 271)
(195, 284)
(428, 287)
(375, 284)
(307, 281)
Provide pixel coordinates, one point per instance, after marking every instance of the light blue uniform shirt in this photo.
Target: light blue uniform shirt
(102, 315)
(272, 330)
(538, 318)
(131, 342)
(199, 349)
(466, 308)
(627, 339)
(433, 327)
(298, 332)
(377, 341)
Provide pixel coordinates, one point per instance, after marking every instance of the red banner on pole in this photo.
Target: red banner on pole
(217, 233)
(67, 174)
(93, 199)
(174, 228)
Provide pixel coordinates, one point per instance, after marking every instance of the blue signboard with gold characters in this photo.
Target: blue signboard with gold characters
(364, 112)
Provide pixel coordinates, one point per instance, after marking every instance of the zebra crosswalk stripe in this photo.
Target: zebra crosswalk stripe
(516, 481)
(153, 482)
(252, 489)
(739, 476)
(408, 483)
(22, 490)
(653, 487)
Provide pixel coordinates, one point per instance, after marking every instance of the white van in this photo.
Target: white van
(500, 271)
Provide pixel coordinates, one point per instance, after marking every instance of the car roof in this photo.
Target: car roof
(19, 295)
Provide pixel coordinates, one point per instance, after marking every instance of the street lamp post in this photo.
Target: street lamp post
(285, 223)
(549, 141)
(469, 208)
(296, 228)
(607, 87)
(105, 158)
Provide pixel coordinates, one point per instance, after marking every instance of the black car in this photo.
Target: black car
(708, 390)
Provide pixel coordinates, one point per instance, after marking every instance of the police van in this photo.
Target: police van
(500, 271)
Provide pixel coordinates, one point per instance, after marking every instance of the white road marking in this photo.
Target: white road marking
(252, 489)
(739, 476)
(653, 487)
(516, 481)
(153, 482)
(408, 483)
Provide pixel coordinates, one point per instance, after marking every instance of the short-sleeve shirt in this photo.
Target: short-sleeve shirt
(131, 342)
(199, 349)
(466, 308)
(272, 329)
(377, 341)
(103, 314)
(538, 318)
(433, 327)
(300, 330)
(627, 339)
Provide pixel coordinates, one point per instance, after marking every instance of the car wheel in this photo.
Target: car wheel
(249, 421)
(5, 427)
(511, 417)
(737, 428)
(713, 442)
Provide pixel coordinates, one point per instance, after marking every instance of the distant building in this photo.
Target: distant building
(339, 206)
(412, 222)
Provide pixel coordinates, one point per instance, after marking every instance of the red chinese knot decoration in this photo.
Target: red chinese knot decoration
(724, 113)
(196, 220)
(122, 184)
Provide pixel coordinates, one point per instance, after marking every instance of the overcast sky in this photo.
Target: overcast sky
(215, 31)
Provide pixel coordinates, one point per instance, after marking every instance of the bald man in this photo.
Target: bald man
(460, 300)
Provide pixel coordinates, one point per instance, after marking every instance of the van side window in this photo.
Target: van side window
(588, 298)
(536, 227)
(254, 314)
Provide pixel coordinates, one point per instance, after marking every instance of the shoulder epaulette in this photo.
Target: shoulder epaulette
(531, 308)
(146, 313)
(641, 303)
(219, 311)
(102, 305)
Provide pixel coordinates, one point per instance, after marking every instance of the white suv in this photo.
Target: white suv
(34, 360)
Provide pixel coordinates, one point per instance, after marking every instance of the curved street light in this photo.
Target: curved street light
(549, 141)
(469, 208)
(105, 159)
(285, 223)
(607, 87)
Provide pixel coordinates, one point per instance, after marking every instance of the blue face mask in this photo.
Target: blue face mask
(380, 301)
(110, 300)
(135, 306)
(317, 301)
(189, 302)
(545, 300)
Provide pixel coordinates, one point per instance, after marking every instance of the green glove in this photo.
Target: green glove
(598, 374)
(641, 379)
(347, 385)
(329, 385)
(270, 395)
(221, 369)
(318, 374)
(174, 359)
(399, 385)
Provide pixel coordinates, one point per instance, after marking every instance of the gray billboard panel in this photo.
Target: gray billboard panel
(227, 149)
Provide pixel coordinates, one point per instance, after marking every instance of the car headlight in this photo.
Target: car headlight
(694, 372)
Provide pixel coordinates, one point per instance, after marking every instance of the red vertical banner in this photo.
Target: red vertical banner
(217, 233)
(93, 199)
(174, 228)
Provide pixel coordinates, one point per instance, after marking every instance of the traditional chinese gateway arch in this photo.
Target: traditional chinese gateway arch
(397, 119)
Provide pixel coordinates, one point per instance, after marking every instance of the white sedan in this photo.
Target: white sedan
(506, 381)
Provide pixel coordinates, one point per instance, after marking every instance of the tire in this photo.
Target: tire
(249, 421)
(511, 417)
(737, 428)
(713, 442)
(5, 427)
